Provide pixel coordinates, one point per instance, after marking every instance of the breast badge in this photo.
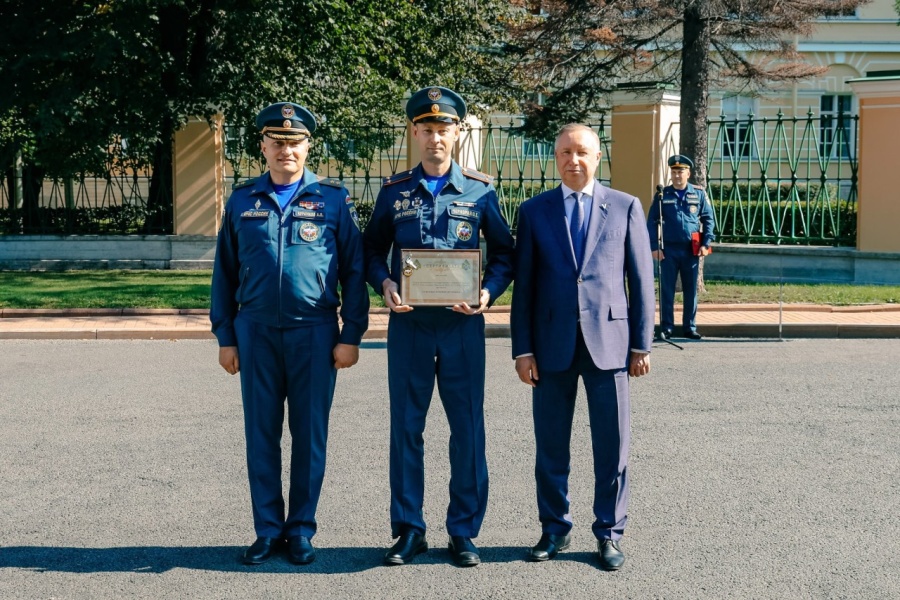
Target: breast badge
(309, 231)
(464, 231)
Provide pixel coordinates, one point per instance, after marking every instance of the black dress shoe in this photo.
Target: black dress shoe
(549, 546)
(260, 551)
(300, 550)
(406, 549)
(464, 552)
(610, 554)
(693, 335)
(665, 334)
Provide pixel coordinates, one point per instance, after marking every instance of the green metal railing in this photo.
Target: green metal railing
(113, 202)
(787, 180)
(362, 156)
(782, 180)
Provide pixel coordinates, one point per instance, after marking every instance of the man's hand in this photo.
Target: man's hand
(526, 367)
(228, 358)
(464, 308)
(704, 250)
(392, 296)
(639, 364)
(658, 255)
(345, 356)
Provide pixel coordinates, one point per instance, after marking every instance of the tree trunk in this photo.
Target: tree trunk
(695, 89)
(160, 217)
(32, 190)
(695, 97)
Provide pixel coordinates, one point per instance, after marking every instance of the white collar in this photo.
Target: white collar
(588, 190)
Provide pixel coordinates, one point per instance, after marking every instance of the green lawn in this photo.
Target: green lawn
(190, 289)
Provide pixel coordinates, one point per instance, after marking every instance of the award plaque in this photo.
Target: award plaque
(440, 277)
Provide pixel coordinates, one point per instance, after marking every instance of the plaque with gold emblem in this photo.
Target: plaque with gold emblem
(440, 277)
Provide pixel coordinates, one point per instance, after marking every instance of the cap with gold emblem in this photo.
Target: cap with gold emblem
(436, 104)
(286, 121)
(680, 161)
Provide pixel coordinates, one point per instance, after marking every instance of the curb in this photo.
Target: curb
(495, 331)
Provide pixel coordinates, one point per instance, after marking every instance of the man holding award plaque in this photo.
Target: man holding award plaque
(427, 221)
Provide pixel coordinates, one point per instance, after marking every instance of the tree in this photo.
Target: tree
(82, 76)
(575, 52)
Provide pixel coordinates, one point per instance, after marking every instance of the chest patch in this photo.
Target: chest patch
(255, 214)
(464, 231)
(309, 231)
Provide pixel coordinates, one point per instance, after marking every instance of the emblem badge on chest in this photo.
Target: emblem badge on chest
(309, 231)
(464, 231)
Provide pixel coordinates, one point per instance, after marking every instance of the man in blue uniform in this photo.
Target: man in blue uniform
(688, 222)
(436, 205)
(287, 241)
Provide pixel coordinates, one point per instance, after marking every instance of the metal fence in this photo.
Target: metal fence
(117, 202)
(781, 180)
(785, 180)
(362, 156)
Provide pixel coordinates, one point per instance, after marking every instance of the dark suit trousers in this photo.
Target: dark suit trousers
(608, 409)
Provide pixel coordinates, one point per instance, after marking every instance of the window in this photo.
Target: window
(836, 132)
(736, 135)
(838, 11)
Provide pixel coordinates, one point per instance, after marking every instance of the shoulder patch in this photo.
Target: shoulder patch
(473, 174)
(243, 184)
(331, 182)
(397, 177)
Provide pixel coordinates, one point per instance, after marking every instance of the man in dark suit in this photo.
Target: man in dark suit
(583, 306)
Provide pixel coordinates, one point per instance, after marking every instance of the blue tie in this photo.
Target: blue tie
(576, 229)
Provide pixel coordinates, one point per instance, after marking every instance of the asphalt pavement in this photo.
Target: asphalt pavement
(759, 469)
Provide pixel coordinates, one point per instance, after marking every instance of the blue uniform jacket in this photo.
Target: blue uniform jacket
(681, 218)
(282, 269)
(407, 216)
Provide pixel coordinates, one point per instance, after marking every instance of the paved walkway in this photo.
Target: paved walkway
(715, 320)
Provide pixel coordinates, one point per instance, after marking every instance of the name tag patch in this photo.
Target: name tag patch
(255, 214)
(467, 213)
(300, 213)
(406, 214)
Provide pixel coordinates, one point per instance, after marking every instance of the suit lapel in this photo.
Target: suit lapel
(599, 212)
(556, 221)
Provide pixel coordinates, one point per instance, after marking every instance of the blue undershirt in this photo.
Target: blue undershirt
(436, 184)
(285, 193)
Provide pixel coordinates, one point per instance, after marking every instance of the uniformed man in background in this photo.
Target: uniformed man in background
(687, 232)
(288, 241)
(437, 205)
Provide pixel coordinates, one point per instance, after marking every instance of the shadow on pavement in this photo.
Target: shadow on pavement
(159, 559)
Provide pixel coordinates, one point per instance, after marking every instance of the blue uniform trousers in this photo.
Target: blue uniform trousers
(424, 344)
(553, 401)
(294, 363)
(679, 259)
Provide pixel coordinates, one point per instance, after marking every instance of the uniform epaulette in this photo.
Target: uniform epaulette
(473, 174)
(396, 178)
(244, 184)
(332, 182)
